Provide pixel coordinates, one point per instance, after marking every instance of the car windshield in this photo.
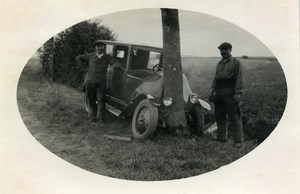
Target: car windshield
(144, 59)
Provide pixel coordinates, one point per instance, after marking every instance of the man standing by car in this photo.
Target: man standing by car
(95, 80)
(227, 88)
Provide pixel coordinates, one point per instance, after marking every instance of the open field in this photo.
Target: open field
(55, 116)
(265, 91)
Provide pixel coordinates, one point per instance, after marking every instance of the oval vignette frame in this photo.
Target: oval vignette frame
(64, 118)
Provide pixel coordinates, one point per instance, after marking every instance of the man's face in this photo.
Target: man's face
(225, 52)
(100, 49)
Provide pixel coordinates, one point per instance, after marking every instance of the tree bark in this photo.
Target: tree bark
(171, 61)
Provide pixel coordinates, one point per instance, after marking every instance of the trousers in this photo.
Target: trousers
(95, 93)
(228, 115)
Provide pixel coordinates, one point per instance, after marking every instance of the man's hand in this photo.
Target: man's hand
(237, 98)
(119, 67)
(211, 97)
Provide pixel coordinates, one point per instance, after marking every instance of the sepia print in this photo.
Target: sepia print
(135, 138)
(149, 97)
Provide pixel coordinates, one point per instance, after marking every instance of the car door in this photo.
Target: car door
(117, 76)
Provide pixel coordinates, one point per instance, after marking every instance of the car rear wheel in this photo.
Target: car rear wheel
(144, 120)
(197, 123)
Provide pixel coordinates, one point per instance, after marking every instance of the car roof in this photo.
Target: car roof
(142, 46)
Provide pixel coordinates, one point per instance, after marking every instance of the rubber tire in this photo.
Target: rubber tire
(144, 107)
(198, 120)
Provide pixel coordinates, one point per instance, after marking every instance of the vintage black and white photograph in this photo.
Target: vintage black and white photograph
(149, 97)
(152, 94)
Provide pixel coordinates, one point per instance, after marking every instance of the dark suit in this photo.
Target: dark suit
(228, 81)
(96, 80)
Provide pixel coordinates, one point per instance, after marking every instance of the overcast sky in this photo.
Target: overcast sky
(200, 34)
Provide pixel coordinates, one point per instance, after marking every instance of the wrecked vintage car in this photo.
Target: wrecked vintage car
(136, 90)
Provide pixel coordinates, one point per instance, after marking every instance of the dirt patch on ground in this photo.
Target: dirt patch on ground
(60, 144)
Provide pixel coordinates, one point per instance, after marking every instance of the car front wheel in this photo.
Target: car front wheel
(144, 120)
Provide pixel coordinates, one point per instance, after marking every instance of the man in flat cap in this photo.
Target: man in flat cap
(227, 88)
(95, 80)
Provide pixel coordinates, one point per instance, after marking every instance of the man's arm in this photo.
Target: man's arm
(82, 60)
(79, 59)
(115, 63)
(213, 89)
(213, 85)
(239, 84)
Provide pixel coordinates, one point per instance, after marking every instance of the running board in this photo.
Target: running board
(112, 110)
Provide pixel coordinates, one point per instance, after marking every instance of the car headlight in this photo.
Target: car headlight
(167, 101)
(193, 98)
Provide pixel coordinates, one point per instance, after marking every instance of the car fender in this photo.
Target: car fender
(204, 105)
(187, 91)
(134, 103)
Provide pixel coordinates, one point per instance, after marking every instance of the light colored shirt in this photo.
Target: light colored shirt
(99, 56)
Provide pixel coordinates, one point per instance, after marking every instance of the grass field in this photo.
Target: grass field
(55, 116)
(265, 91)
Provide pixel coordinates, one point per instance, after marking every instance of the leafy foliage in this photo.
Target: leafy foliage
(58, 54)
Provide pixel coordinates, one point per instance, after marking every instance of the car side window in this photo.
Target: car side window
(139, 59)
(154, 59)
(144, 59)
(121, 53)
(109, 49)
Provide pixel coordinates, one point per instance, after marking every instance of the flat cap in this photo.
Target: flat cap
(225, 45)
(98, 42)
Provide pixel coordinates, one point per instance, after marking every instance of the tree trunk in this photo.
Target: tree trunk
(171, 61)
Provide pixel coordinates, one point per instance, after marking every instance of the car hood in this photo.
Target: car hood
(153, 84)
